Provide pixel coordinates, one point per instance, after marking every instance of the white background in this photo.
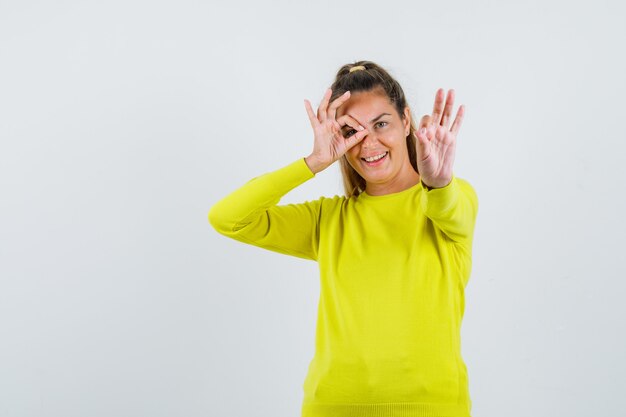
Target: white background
(123, 122)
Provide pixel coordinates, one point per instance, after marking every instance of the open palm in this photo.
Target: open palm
(436, 141)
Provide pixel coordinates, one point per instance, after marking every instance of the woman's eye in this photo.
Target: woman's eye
(349, 133)
(382, 122)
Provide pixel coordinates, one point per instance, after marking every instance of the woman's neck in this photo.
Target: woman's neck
(400, 183)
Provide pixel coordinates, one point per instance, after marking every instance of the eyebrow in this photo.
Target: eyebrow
(374, 119)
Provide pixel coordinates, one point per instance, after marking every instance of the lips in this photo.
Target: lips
(375, 157)
(380, 159)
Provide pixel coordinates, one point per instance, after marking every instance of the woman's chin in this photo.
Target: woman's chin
(375, 173)
(375, 178)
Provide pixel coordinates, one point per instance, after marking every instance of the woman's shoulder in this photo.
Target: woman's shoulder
(467, 187)
(329, 204)
(324, 202)
(333, 201)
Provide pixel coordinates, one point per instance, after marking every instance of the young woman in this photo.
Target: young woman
(394, 253)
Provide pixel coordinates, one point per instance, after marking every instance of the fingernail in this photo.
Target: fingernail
(361, 127)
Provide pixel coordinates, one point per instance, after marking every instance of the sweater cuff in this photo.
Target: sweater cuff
(290, 176)
(302, 162)
(439, 200)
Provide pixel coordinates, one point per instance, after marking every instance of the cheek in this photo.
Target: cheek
(353, 152)
(397, 140)
(352, 155)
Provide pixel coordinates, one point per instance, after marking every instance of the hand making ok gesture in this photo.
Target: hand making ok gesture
(329, 143)
(436, 141)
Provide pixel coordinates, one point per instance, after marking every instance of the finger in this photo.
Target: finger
(425, 121)
(332, 110)
(431, 131)
(438, 107)
(346, 122)
(321, 110)
(458, 120)
(422, 143)
(356, 138)
(420, 134)
(447, 110)
(312, 118)
(440, 133)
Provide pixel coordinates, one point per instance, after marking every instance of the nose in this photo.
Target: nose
(370, 141)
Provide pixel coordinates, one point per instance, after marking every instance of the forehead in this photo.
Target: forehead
(366, 104)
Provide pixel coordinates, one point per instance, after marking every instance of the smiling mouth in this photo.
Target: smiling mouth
(375, 159)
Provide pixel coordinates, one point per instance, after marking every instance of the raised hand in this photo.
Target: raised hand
(330, 145)
(436, 141)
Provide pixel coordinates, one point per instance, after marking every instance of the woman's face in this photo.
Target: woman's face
(386, 138)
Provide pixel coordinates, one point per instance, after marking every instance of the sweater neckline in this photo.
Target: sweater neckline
(368, 197)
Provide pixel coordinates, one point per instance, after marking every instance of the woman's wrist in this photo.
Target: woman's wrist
(314, 165)
(431, 187)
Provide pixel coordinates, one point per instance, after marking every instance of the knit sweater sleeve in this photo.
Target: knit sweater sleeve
(452, 209)
(251, 213)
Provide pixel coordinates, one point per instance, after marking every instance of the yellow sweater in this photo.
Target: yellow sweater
(393, 271)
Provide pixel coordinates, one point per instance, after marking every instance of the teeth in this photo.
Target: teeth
(375, 158)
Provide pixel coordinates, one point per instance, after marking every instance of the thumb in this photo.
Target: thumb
(356, 138)
(422, 144)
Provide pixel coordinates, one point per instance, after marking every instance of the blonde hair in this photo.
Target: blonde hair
(367, 78)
